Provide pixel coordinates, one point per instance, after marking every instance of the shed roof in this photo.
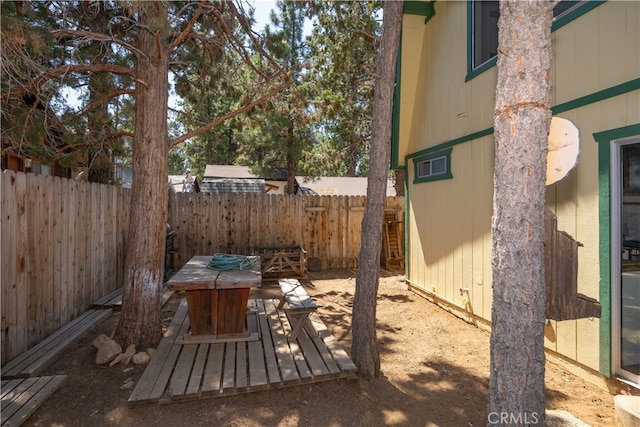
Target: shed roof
(232, 185)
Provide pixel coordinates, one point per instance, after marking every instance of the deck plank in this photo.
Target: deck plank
(228, 376)
(273, 372)
(21, 397)
(211, 381)
(257, 369)
(301, 364)
(147, 381)
(182, 370)
(311, 356)
(285, 359)
(193, 388)
(241, 365)
(337, 352)
(164, 377)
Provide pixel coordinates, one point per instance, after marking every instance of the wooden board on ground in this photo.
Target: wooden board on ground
(113, 300)
(21, 397)
(35, 360)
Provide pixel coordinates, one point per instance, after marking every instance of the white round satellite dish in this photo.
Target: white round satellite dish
(563, 149)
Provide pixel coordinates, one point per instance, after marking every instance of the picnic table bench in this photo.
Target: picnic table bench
(299, 306)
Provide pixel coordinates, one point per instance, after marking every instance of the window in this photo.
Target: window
(482, 37)
(433, 167)
(485, 31)
(428, 168)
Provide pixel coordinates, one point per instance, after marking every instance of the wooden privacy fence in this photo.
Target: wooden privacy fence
(63, 242)
(62, 247)
(327, 227)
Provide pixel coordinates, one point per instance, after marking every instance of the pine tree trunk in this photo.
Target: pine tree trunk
(364, 350)
(99, 160)
(521, 123)
(140, 319)
(291, 162)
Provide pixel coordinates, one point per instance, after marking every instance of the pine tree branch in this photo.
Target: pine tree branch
(188, 29)
(89, 35)
(82, 68)
(237, 44)
(106, 98)
(113, 135)
(230, 115)
(35, 85)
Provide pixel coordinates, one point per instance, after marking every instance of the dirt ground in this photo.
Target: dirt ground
(435, 372)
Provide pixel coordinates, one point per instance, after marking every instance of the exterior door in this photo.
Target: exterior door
(626, 258)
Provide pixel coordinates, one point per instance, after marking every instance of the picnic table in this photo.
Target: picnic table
(216, 299)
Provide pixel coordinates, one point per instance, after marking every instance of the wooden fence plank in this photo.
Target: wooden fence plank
(9, 301)
(22, 264)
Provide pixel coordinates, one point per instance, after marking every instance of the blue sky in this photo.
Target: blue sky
(263, 9)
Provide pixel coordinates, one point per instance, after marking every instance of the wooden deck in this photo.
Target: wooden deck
(180, 371)
(22, 396)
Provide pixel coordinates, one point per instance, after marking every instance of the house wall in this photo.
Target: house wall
(449, 221)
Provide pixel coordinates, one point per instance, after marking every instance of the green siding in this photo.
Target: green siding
(620, 89)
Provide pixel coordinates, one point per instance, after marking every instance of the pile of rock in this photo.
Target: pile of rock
(110, 352)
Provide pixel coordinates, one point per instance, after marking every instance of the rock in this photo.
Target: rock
(117, 360)
(141, 358)
(99, 340)
(150, 351)
(108, 351)
(128, 384)
(128, 354)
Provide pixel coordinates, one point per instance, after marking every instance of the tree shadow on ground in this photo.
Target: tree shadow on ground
(443, 394)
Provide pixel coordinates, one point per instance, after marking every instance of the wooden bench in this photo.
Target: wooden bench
(300, 306)
(34, 361)
(114, 299)
(21, 397)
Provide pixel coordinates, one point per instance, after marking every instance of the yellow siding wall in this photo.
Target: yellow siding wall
(449, 221)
